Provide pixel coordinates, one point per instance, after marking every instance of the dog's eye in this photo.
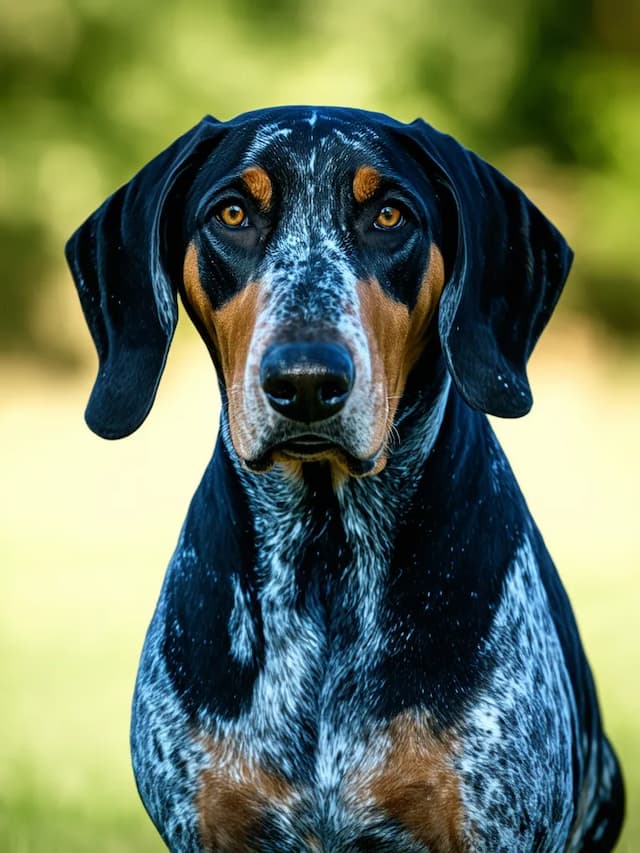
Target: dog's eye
(233, 216)
(388, 218)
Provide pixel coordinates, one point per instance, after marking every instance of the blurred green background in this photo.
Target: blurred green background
(91, 90)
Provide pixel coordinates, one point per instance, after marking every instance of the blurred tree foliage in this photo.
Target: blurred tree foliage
(92, 89)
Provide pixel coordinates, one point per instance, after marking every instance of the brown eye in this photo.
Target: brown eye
(233, 216)
(388, 217)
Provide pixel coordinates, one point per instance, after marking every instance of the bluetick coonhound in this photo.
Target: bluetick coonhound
(361, 643)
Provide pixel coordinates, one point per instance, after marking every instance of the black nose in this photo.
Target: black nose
(307, 381)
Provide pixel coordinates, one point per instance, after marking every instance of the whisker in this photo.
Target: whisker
(393, 438)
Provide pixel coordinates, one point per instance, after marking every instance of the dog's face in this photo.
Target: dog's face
(313, 273)
(318, 251)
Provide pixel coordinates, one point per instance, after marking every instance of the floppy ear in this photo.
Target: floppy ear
(509, 268)
(122, 265)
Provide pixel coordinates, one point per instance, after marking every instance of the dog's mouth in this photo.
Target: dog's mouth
(307, 447)
(312, 448)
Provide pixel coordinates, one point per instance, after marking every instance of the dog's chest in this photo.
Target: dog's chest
(310, 767)
(376, 787)
(310, 764)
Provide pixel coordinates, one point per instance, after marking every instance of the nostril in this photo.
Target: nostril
(280, 390)
(333, 392)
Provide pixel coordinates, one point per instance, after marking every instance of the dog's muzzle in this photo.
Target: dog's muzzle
(308, 384)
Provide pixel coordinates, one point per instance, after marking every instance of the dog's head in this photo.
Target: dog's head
(320, 252)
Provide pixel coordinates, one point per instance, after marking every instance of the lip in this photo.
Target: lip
(305, 446)
(312, 448)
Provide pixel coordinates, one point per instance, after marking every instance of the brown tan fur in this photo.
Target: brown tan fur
(417, 785)
(229, 328)
(293, 466)
(259, 185)
(397, 336)
(233, 794)
(365, 183)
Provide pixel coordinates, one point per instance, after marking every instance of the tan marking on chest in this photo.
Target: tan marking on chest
(417, 785)
(365, 183)
(396, 337)
(258, 182)
(234, 792)
(229, 330)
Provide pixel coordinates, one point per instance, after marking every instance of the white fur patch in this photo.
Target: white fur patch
(517, 738)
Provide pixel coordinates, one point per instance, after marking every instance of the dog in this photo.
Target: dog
(361, 643)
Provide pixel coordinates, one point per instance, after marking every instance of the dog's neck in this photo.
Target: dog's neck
(324, 551)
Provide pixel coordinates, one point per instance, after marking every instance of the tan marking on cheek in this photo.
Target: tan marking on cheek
(365, 182)
(417, 785)
(259, 185)
(192, 285)
(425, 308)
(386, 324)
(232, 796)
(229, 329)
(397, 337)
(234, 324)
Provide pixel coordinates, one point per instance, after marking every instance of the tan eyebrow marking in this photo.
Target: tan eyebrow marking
(259, 185)
(365, 182)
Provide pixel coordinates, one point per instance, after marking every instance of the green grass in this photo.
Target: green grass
(87, 528)
(67, 668)
(33, 818)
